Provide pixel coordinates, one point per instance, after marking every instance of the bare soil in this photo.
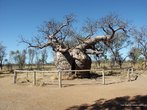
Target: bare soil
(79, 94)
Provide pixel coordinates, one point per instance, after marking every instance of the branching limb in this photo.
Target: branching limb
(91, 51)
(92, 41)
(38, 45)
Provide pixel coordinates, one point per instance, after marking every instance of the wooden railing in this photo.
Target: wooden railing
(60, 74)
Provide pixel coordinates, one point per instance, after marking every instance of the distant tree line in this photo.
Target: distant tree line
(21, 58)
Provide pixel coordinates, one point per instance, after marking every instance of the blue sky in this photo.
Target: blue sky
(22, 17)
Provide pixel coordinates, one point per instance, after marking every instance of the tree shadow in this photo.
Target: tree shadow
(119, 103)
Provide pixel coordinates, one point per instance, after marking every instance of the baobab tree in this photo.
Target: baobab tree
(58, 35)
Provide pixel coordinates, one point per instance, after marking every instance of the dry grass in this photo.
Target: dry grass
(43, 79)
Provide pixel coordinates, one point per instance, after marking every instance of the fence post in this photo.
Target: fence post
(34, 78)
(60, 79)
(15, 77)
(103, 77)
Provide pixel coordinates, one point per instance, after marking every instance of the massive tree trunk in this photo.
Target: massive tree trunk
(74, 59)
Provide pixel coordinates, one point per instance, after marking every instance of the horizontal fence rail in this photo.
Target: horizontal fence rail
(60, 74)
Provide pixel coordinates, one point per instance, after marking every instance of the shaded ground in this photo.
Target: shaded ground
(87, 95)
(119, 103)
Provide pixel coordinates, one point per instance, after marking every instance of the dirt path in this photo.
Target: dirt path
(74, 97)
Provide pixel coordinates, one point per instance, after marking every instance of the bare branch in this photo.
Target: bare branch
(92, 41)
(96, 52)
(39, 45)
(90, 28)
(112, 24)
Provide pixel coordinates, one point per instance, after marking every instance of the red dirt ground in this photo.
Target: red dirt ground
(73, 97)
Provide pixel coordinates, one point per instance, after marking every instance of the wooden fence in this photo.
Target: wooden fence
(60, 74)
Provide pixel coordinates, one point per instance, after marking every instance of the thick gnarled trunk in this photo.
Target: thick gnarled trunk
(74, 59)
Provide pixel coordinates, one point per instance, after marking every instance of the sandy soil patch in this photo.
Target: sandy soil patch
(75, 95)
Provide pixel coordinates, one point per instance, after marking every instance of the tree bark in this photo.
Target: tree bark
(1, 65)
(75, 59)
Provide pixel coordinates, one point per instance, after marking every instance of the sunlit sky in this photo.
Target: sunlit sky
(22, 17)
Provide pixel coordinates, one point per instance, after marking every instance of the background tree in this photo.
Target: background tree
(31, 56)
(116, 58)
(118, 28)
(57, 34)
(141, 39)
(19, 58)
(2, 54)
(134, 55)
(8, 64)
(44, 56)
(41, 58)
(11, 59)
(38, 61)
